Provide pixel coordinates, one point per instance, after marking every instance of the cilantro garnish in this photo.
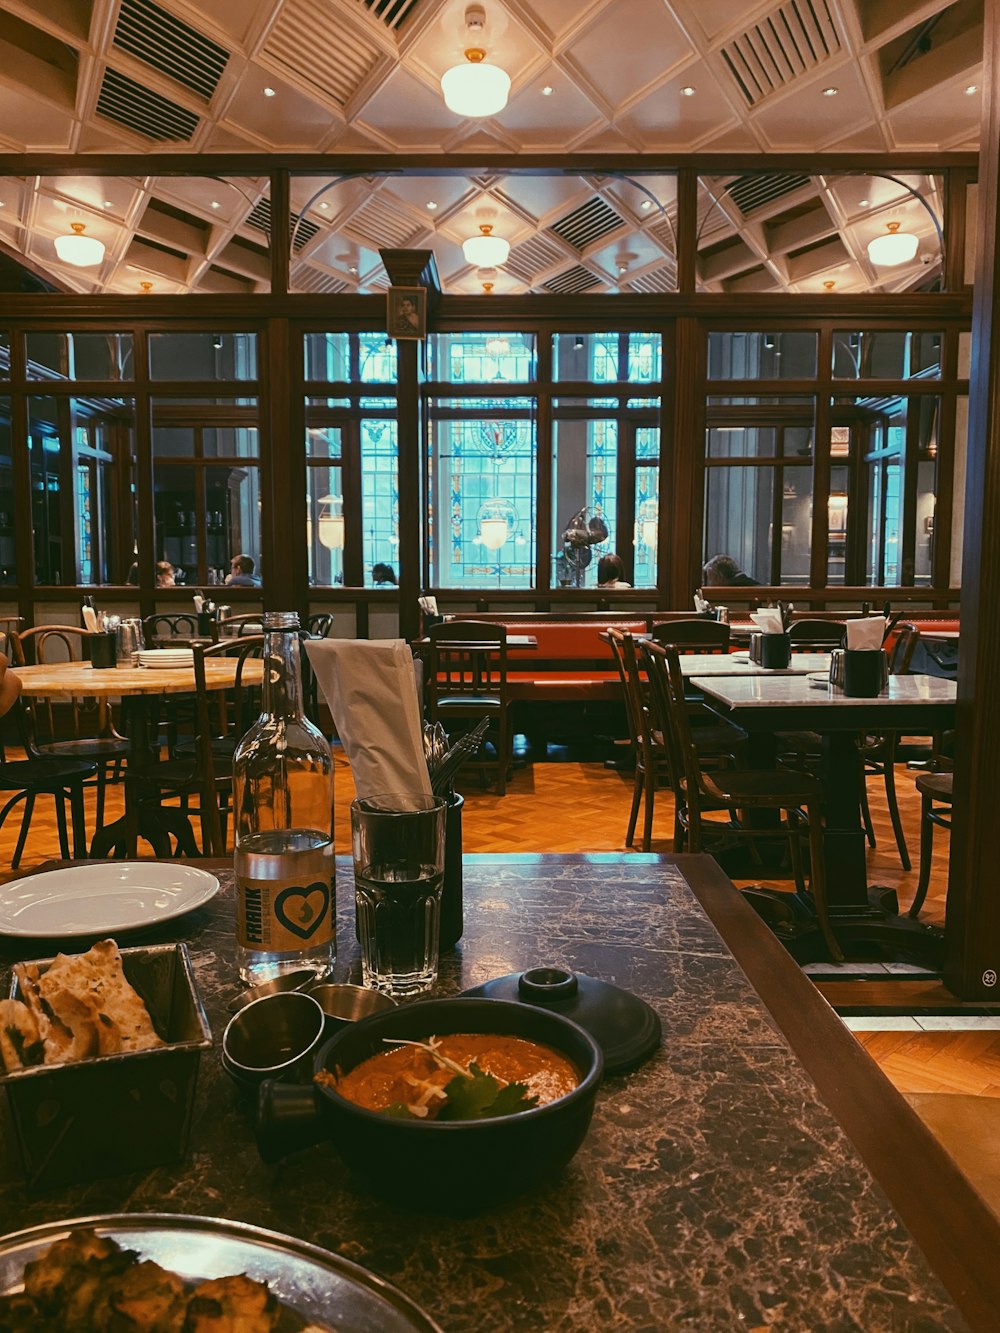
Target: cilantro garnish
(471, 1094)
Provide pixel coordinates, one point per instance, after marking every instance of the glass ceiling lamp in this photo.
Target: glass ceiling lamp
(895, 247)
(475, 88)
(498, 521)
(486, 250)
(79, 250)
(330, 528)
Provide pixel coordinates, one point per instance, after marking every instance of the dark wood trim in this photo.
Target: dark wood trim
(957, 1232)
(944, 474)
(682, 490)
(471, 163)
(280, 236)
(282, 474)
(956, 192)
(687, 230)
(972, 961)
(412, 487)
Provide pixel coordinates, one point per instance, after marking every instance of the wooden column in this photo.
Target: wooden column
(972, 963)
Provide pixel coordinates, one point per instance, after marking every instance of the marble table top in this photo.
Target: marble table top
(715, 1190)
(739, 664)
(776, 690)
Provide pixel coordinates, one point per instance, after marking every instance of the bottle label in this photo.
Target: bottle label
(281, 915)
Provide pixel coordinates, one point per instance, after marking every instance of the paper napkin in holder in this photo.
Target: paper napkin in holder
(370, 687)
(866, 635)
(768, 621)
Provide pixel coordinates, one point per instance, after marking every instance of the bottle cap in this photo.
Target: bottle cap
(281, 620)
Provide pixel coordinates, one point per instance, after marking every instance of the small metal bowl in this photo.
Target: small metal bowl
(300, 980)
(346, 1003)
(273, 1038)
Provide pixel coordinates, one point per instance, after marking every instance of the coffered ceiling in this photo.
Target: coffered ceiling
(590, 78)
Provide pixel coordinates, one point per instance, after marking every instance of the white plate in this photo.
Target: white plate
(741, 657)
(818, 679)
(101, 898)
(166, 657)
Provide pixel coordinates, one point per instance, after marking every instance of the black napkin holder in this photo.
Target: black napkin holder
(866, 672)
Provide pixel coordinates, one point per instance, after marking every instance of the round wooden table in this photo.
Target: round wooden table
(68, 680)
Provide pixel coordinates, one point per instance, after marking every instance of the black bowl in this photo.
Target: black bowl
(461, 1164)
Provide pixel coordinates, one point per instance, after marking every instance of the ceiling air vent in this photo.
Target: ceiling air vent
(151, 34)
(793, 39)
(587, 224)
(749, 193)
(393, 13)
(379, 224)
(662, 279)
(315, 280)
(142, 110)
(576, 279)
(321, 46)
(302, 229)
(533, 256)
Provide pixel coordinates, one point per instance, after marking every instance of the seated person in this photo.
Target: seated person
(722, 571)
(609, 572)
(165, 574)
(384, 576)
(241, 573)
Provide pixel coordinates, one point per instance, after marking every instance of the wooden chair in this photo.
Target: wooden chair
(248, 623)
(879, 752)
(319, 625)
(651, 761)
(36, 775)
(816, 636)
(936, 801)
(697, 635)
(161, 629)
(88, 733)
(797, 795)
(467, 680)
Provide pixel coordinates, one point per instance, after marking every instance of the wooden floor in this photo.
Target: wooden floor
(568, 806)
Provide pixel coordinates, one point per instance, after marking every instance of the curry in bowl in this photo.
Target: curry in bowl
(462, 1076)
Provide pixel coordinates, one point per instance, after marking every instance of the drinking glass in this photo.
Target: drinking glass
(398, 845)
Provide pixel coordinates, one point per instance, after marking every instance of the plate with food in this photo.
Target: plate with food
(174, 1272)
(102, 897)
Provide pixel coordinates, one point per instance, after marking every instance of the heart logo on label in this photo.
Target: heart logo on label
(303, 910)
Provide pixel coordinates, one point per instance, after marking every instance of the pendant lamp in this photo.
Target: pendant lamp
(486, 250)
(475, 88)
(895, 247)
(79, 250)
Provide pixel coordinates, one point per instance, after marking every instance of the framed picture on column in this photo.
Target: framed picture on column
(406, 312)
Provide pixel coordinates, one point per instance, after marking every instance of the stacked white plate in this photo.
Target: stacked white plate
(166, 657)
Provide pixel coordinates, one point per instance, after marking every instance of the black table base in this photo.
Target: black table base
(874, 931)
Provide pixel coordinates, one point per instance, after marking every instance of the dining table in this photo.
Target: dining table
(866, 919)
(755, 1172)
(139, 687)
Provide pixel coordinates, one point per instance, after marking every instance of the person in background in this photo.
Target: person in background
(241, 573)
(165, 574)
(609, 572)
(722, 571)
(384, 576)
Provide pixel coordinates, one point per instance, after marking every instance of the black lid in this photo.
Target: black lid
(625, 1027)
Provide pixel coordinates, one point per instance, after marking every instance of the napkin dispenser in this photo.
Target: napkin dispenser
(860, 673)
(771, 651)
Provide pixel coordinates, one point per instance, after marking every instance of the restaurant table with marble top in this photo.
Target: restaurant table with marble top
(866, 920)
(718, 1188)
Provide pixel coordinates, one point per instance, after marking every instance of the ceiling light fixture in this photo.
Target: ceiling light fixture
(830, 92)
(830, 283)
(687, 91)
(269, 92)
(146, 286)
(972, 88)
(486, 250)
(895, 247)
(547, 90)
(79, 250)
(488, 288)
(475, 88)
(864, 203)
(431, 205)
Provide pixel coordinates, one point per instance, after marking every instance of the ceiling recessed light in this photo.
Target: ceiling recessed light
(108, 203)
(647, 203)
(972, 88)
(864, 203)
(324, 205)
(353, 269)
(216, 204)
(830, 92)
(547, 90)
(687, 91)
(431, 205)
(269, 92)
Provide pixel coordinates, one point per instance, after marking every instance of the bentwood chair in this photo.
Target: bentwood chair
(163, 628)
(816, 636)
(80, 729)
(651, 766)
(880, 751)
(936, 801)
(697, 635)
(60, 777)
(319, 625)
(703, 793)
(467, 681)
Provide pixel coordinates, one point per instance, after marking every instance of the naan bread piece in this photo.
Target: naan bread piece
(73, 1031)
(20, 1040)
(98, 975)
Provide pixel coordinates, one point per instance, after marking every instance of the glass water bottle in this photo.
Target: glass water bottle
(283, 813)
